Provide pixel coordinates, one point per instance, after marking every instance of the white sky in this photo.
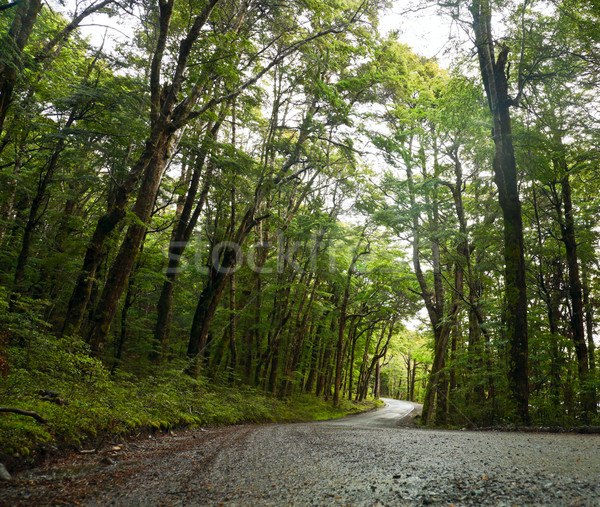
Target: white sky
(428, 33)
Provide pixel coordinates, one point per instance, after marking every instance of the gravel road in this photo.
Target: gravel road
(370, 459)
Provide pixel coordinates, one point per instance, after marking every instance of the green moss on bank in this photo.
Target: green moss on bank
(99, 405)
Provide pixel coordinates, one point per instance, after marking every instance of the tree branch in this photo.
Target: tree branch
(28, 413)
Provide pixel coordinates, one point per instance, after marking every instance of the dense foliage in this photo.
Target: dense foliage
(262, 194)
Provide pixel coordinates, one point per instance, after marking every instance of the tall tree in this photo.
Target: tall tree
(494, 73)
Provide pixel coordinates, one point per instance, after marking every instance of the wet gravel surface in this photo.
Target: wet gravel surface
(324, 464)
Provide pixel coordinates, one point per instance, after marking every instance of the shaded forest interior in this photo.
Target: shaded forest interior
(276, 197)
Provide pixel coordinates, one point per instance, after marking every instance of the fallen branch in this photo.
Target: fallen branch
(29, 413)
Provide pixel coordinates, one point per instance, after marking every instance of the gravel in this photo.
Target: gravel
(324, 464)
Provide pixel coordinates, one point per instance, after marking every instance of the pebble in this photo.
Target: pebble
(4, 475)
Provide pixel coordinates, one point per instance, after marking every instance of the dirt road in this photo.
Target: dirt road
(369, 459)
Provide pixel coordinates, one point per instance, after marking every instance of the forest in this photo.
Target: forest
(261, 201)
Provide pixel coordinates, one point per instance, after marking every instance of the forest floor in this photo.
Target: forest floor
(345, 462)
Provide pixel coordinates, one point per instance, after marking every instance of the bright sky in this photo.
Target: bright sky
(427, 32)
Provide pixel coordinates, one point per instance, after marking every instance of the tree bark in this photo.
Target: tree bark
(342, 325)
(588, 397)
(233, 353)
(18, 36)
(494, 75)
(589, 321)
(125, 260)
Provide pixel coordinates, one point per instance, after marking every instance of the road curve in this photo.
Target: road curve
(364, 460)
(392, 415)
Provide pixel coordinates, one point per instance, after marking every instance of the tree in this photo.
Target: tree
(494, 74)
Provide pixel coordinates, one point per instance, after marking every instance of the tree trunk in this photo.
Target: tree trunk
(340, 341)
(166, 118)
(312, 369)
(353, 341)
(377, 387)
(274, 368)
(408, 383)
(441, 412)
(444, 322)
(319, 344)
(120, 341)
(233, 353)
(452, 387)
(18, 36)
(324, 367)
(589, 321)
(342, 325)
(551, 297)
(211, 294)
(495, 81)
(588, 398)
(413, 380)
(124, 262)
(256, 334)
(95, 252)
(439, 360)
(299, 336)
(205, 310)
(182, 232)
(7, 207)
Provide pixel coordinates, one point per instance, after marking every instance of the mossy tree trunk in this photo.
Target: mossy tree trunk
(495, 79)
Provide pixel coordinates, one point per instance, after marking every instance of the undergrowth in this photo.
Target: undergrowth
(98, 405)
